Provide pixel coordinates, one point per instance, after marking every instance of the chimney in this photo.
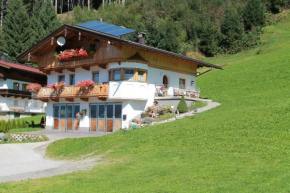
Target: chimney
(4, 57)
(141, 37)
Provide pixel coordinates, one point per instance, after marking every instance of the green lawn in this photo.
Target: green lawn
(241, 146)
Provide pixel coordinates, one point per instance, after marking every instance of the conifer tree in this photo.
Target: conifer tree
(1, 41)
(232, 31)
(16, 29)
(254, 14)
(182, 106)
(47, 17)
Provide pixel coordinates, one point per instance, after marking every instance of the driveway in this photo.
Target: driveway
(26, 160)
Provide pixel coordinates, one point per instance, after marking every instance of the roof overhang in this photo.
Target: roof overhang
(57, 32)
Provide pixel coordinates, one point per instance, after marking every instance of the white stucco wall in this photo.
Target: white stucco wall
(3, 84)
(10, 82)
(134, 96)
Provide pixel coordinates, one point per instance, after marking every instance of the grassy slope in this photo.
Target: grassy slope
(241, 146)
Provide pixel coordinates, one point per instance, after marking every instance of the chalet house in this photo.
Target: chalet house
(15, 98)
(127, 77)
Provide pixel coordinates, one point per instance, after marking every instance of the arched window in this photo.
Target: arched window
(165, 81)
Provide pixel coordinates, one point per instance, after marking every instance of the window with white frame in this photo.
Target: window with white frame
(129, 74)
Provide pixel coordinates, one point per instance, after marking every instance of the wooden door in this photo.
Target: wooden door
(62, 120)
(94, 117)
(69, 118)
(109, 117)
(101, 117)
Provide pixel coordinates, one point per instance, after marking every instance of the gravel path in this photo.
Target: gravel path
(28, 161)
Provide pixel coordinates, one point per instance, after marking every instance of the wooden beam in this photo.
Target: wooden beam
(69, 99)
(84, 99)
(71, 69)
(104, 66)
(86, 67)
(45, 100)
(58, 70)
(55, 99)
(102, 98)
(46, 72)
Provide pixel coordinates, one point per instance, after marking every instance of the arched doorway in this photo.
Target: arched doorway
(165, 81)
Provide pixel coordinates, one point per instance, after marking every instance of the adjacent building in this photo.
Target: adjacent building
(15, 98)
(128, 77)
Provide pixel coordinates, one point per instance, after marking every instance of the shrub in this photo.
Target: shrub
(147, 120)
(182, 106)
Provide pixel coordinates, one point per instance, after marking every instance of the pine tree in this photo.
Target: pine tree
(254, 14)
(47, 17)
(182, 106)
(208, 44)
(1, 41)
(232, 31)
(16, 29)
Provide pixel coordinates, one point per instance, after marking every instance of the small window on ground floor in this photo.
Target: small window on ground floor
(182, 83)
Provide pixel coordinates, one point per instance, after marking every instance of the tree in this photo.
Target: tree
(208, 44)
(182, 106)
(254, 14)
(1, 42)
(16, 29)
(232, 31)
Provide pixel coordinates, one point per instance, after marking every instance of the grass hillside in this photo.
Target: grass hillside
(241, 146)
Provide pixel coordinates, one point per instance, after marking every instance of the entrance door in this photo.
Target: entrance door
(64, 116)
(101, 117)
(69, 118)
(94, 117)
(106, 117)
(109, 118)
(165, 81)
(62, 120)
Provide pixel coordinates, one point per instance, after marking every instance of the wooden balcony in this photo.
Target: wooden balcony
(100, 91)
(15, 93)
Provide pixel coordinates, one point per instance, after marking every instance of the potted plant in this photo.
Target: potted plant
(71, 53)
(33, 87)
(85, 85)
(81, 113)
(57, 87)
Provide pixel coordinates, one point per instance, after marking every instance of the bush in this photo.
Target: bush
(182, 106)
(147, 120)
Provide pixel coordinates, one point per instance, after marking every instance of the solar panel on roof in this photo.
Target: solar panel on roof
(106, 28)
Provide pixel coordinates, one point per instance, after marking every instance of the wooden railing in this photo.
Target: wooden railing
(74, 62)
(100, 91)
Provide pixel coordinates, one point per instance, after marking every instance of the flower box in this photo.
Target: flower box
(71, 53)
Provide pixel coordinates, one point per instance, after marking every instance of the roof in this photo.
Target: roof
(20, 67)
(137, 56)
(116, 39)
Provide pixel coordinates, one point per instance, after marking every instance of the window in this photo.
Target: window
(117, 75)
(76, 110)
(96, 77)
(182, 83)
(141, 76)
(24, 87)
(61, 78)
(16, 103)
(118, 111)
(129, 75)
(72, 80)
(56, 111)
(62, 111)
(16, 86)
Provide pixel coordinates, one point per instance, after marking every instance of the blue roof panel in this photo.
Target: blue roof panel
(106, 28)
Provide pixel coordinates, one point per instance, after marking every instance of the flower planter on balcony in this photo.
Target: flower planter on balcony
(100, 91)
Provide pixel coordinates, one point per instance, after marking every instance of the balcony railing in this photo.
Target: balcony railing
(176, 92)
(75, 62)
(70, 92)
